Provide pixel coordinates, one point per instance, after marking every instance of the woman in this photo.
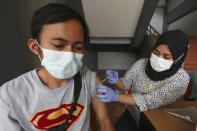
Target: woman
(154, 82)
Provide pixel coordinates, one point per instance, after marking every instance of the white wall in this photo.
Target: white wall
(157, 20)
(116, 60)
(112, 18)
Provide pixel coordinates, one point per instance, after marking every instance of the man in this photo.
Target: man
(41, 99)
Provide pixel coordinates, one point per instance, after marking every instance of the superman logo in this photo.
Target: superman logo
(49, 118)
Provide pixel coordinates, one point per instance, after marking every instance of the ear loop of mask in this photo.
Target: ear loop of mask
(39, 47)
(177, 60)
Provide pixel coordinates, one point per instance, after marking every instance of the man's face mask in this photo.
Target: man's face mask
(160, 64)
(60, 64)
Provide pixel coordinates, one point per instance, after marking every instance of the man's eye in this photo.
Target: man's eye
(59, 46)
(78, 48)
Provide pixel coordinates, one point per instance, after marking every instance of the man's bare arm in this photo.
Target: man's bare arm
(102, 113)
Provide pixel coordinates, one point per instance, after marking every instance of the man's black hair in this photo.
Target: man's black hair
(54, 13)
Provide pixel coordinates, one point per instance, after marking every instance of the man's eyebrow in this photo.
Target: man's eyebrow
(64, 40)
(60, 39)
(79, 42)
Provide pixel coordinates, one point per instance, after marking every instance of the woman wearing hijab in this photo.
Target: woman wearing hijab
(154, 82)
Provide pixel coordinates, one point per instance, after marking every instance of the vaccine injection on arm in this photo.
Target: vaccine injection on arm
(111, 95)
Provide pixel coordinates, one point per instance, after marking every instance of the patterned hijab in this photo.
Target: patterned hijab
(178, 44)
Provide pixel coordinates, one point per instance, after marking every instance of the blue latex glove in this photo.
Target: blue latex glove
(108, 95)
(111, 76)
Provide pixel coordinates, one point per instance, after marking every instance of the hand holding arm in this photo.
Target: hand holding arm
(108, 94)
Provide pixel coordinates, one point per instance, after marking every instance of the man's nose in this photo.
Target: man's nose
(69, 48)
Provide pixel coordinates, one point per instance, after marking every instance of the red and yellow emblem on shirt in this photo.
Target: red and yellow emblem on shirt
(49, 118)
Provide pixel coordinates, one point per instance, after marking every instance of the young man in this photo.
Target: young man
(41, 99)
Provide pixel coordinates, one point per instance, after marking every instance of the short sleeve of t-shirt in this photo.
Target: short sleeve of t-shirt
(90, 81)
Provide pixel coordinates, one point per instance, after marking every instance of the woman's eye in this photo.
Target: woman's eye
(168, 58)
(156, 53)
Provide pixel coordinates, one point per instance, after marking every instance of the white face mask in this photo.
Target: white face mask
(160, 64)
(61, 65)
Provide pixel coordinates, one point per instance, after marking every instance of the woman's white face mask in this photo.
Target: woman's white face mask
(160, 64)
(61, 65)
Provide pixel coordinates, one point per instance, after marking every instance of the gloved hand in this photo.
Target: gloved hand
(108, 94)
(111, 76)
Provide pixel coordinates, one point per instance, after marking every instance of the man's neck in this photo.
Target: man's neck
(50, 81)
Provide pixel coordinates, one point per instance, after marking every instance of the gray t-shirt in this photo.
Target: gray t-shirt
(27, 104)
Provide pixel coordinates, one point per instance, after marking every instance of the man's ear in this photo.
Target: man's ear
(33, 46)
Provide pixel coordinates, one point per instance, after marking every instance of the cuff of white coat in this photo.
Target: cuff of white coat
(140, 102)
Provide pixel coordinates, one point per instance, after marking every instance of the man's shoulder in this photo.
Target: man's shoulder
(89, 78)
(18, 82)
(87, 73)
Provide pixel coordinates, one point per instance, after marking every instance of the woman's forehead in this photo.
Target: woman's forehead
(163, 48)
